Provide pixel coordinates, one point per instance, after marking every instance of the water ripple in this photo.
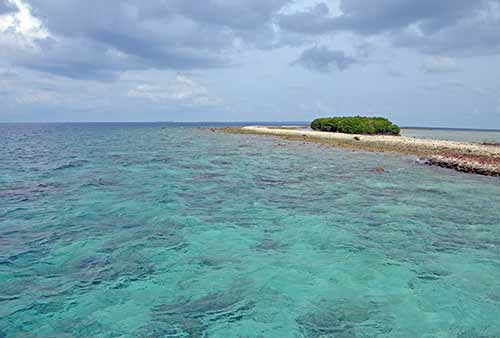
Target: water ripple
(145, 231)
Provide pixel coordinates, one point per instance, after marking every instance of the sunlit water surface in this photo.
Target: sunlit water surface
(161, 231)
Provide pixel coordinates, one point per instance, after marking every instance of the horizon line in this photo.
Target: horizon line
(233, 122)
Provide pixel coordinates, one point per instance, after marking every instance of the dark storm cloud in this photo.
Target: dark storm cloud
(321, 59)
(444, 26)
(97, 38)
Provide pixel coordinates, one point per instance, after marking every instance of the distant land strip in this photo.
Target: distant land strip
(474, 158)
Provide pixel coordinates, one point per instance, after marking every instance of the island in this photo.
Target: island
(380, 135)
(356, 125)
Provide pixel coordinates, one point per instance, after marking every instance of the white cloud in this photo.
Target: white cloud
(183, 90)
(395, 72)
(38, 97)
(6, 73)
(20, 29)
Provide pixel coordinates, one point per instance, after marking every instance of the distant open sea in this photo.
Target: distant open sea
(463, 135)
(172, 230)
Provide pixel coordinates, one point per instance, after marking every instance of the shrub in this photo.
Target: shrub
(356, 125)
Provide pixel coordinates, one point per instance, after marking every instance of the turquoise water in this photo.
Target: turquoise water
(160, 231)
(454, 135)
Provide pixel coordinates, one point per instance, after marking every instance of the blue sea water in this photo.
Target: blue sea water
(158, 230)
(460, 135)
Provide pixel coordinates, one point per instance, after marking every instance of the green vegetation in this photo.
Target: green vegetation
(356, 125)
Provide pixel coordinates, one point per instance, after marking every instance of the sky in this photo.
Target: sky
(417, 62)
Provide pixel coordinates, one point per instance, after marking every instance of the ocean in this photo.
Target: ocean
(173, 230)
(460, 135)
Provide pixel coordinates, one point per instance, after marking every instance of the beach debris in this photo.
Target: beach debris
(357, 138)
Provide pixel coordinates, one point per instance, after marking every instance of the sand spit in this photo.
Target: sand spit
(476, 158)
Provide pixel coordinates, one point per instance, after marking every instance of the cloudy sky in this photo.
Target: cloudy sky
(419, 62)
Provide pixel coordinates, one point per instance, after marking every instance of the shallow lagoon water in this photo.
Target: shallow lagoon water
(150, 230)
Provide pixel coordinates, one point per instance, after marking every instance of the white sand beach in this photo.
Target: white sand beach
(463, 156)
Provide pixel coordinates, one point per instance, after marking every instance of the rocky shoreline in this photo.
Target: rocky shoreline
(474, 158)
